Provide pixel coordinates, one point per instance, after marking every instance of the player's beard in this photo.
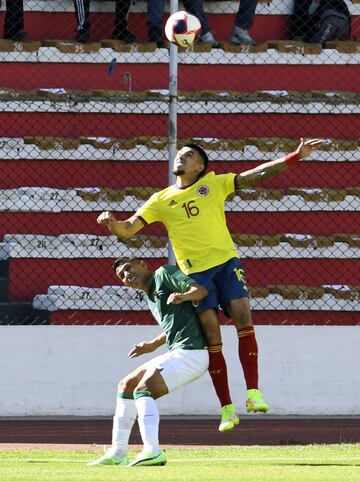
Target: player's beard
(178, 171)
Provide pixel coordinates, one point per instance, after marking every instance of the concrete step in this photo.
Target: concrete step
(277, 113)
(261, 223)
(95, 176)
(73, 124)
(81, 246)
(29, 277)
(61, 113)
(45, 199)
(147, 150)
(273, 297)
(246, 75)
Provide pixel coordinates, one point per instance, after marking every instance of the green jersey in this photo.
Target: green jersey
(178, 321)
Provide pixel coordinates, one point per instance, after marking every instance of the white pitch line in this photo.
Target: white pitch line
(48, 461)
(265, 460)
(345, 462)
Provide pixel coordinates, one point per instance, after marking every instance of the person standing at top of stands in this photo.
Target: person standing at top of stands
(243, 21)
(14, 20)
(121, 32)
(193, 212)
(170, 296)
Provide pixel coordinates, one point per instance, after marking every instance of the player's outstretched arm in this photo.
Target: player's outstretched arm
(122, 229)
(267, 170)
(147, 346)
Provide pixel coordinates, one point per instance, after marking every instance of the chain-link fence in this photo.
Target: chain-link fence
(84, 128)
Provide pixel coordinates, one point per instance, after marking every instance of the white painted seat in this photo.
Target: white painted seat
(302, 298)
(288, 246)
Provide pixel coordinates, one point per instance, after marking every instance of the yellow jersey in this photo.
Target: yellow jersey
(195, 220)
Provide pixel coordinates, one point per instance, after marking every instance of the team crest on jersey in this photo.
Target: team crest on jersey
(202, 190)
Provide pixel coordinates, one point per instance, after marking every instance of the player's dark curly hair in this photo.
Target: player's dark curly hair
(203, 155)
(122, 260)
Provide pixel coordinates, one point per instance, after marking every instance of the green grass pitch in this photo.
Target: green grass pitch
(256, 463)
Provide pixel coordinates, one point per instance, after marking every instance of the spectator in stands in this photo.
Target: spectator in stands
(192, 210)
(121, 31)
(319, 21)
(243, 21)
(14, 20)
(155, 21)
(170, 297)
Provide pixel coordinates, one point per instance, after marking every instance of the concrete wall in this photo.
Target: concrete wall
(74, 370)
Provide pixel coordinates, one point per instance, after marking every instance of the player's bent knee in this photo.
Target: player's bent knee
(127, 385)
(145, 387)
(123, 386)
(153, 384)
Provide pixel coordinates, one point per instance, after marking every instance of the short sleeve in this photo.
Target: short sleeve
(176, 280)
(226, 183)
(150, 211)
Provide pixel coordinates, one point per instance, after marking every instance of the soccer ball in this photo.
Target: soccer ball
(183, 29)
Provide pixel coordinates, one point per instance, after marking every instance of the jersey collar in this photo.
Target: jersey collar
(183, 188)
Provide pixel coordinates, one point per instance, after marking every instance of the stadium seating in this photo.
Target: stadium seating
(272, 298)
(79, 140)
(40, 199)
(106, 110)
(85, 246)
(280, 304)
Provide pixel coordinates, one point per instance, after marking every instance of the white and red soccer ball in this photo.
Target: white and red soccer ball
(183, 29)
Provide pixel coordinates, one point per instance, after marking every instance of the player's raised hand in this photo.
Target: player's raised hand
(140, 348)
(105, 218)
(307, 146)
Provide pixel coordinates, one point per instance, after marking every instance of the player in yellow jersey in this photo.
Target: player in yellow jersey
(192, 210)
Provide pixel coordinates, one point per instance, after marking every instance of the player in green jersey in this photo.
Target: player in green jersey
(170, 296)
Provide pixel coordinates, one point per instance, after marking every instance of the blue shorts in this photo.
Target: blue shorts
(225, 283)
